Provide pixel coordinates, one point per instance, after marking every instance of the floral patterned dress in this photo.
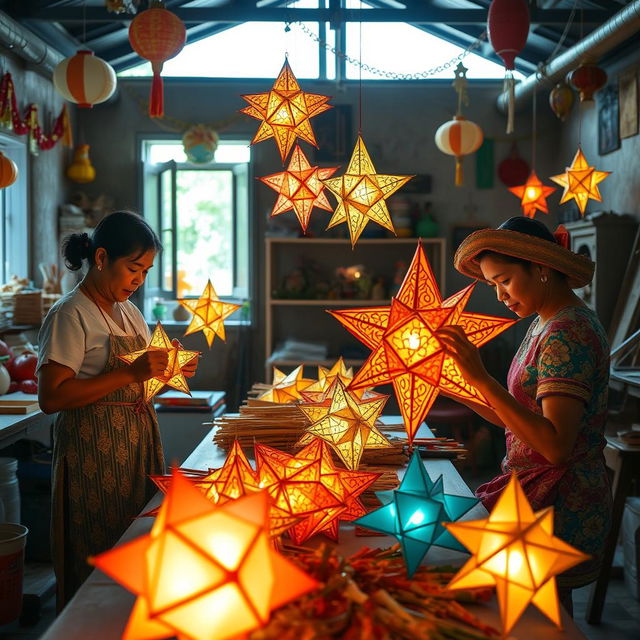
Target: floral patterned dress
(568, 356)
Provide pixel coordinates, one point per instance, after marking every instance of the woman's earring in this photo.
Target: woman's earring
(99, 267)
(543, 278)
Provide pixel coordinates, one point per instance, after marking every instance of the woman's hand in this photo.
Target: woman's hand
(189, 369)
(151, 364)
(464, 353)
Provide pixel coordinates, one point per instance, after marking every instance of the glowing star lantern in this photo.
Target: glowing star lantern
(178, 358)
(286, 389)
(362, 193)
(533, 195)
(327, 378)
(209, 313)
(84, 79)
(416, 513)
(515, 550)
(300, 188)
(285, 112)
(204, 571)
(406, 350)
(580, 182)
(346, 423)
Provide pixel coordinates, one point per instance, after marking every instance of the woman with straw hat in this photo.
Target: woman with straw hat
(554, 411)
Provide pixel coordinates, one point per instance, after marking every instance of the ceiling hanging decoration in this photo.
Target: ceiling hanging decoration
(84, 79)
(200, 143)
(81, 170)
(405, 348)
(508, 27)
(204, 572)
(8, 171)
(157, 35)
(300, 188)
(285, 112)
(515, 550)
(514, 169)
(561, 100)
(533, 195)
(587, 79)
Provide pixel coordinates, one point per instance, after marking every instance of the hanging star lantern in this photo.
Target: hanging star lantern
(300, 188)
(286, 389)
(406, 350)
(319, 390)
(515, 550)
(347, 423)
(204, 571)
(580, 182)
(285, 112)
(209, 313)
(416, 513)
(362, 193)
(533, 195)
(178, 358)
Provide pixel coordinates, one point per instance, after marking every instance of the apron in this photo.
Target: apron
(102, 455)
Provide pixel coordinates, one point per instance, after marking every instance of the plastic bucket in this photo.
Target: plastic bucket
(13, 538)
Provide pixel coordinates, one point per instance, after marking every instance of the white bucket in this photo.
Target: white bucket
(9, 491)
(13, 538)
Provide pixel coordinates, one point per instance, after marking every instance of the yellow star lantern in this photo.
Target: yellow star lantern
(320, 390)
(515, 550)
(209, 313)
(362, 193)
(580, 182)
(406, 350)
(285, 112)
(204, 571)
(286, 389)
(300, 188)
(178, 358)
(533, 195)
(347, 423)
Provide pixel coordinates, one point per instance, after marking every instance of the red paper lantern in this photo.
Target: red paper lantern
(514, 169)
(157, 35)
(8, 171)
(84, 79)
(587, 79)
(561, 100)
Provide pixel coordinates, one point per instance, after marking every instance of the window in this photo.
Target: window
(201, 214)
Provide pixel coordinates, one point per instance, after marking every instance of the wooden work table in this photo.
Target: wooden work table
(101, 607)
(14, 426)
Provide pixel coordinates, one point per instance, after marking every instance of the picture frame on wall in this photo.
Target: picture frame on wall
(628, 97)
(608, 120)
(333, 131)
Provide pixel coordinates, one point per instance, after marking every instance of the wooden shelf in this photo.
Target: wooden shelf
(354, 302)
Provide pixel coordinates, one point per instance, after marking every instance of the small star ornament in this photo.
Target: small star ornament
(209, 313)
(286, 389)
(533, 195)
(320, 390)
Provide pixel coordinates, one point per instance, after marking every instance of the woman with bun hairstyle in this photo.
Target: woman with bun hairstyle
(105, 439)
(555, 409)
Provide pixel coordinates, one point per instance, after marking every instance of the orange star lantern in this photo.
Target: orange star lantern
(320, 390)
(405, 348)
(580, 182)
(286, 389)
(209, 313)
(515, 550)
(347, 423)
(204, 571)
(285, 112)
(362, 193)
(178, 358)
(300, 188)
(533, 195)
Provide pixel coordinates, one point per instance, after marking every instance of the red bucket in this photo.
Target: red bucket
(13, 538)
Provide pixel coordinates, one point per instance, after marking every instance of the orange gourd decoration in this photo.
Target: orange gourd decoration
(157, 35)
(8, 171)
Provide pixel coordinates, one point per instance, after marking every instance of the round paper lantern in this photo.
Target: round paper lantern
(84, 79)
(200, 143)
(587, 79)
(8, 171)
(561, 100)
(81, 170)
(459, 137)
(157, 35)
(513, 170)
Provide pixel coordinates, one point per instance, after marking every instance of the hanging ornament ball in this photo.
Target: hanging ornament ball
(200, 143)
(81, 170)
(513, 170)
(561, 100)
(587, 79)
(508, 27)
(8, 171)
(84, 79)
(459, 137)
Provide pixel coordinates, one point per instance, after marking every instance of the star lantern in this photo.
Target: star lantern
(515, 550)
(405, 348)
(209, 313)
(84, 79)
(580, 182)
(286, 389)
(300, 188)
(178, 358)
(362, 194)
(285, 112)
(533, 195)
(416, 514)
(347, 423)
(322, 388)
(204, 571)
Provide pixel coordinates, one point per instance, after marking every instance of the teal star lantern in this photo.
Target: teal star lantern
(416, 513)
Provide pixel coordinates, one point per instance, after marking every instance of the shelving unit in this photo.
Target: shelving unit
(305, 319)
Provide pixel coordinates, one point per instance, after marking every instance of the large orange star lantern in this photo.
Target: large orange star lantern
(362, 193)
(204, 571)
(406, 350)
(209, 313)
(533, 195)
(285, 112)
(515, 550)
(580, 182)
(178, 358)
(286, 389)
(300, 188)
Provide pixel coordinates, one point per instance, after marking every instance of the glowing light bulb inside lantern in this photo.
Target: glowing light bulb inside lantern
(357, 274)
(414, 341)
(532, 193)
(417, 518)
(515, 561)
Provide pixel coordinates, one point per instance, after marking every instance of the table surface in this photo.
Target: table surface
(101, 607)
(14, 425)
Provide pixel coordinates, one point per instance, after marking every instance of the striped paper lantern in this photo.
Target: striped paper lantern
(8, 171)
(85, 79)
(459, 137)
